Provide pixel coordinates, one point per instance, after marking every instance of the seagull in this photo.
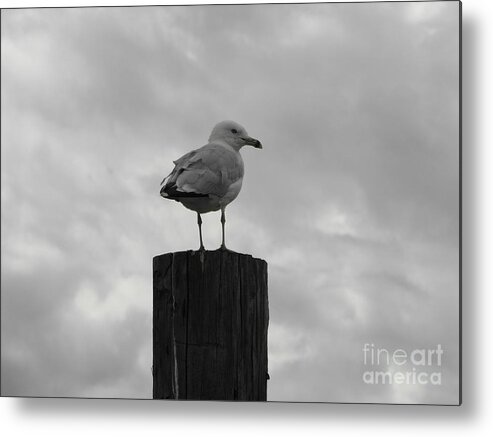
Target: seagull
(209, 178)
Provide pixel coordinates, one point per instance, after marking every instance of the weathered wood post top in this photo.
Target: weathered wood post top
(210, 320)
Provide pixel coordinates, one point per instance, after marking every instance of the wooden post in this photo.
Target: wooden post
(210, 320)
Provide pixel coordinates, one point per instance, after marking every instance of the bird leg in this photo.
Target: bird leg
(199, 222)
(223, 221)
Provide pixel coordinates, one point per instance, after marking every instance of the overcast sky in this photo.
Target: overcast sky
(353, 201)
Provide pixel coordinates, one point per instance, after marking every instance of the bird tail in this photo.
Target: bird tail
(171, 191)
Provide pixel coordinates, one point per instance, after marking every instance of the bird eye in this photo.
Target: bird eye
(234, 131)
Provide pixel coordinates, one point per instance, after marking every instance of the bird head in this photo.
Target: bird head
(234, 135)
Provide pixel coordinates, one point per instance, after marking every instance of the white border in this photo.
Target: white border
(76, 417)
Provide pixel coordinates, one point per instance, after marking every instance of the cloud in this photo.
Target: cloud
(353, 201)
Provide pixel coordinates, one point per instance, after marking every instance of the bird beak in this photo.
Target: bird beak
(253, 142)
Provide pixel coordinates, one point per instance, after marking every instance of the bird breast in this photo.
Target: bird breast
(232, 193)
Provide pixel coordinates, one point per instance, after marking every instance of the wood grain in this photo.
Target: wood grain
(210, 321)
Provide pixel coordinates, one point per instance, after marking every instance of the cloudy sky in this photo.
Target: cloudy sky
(353, 201)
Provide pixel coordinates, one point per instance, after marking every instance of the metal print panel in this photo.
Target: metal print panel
(327, 266)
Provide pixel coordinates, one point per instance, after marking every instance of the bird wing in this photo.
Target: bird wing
(208, 170)
(180, 163)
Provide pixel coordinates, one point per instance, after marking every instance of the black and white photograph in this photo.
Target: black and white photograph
(244, 202)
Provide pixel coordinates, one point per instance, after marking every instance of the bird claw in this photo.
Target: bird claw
(223, 248)
(201, 253)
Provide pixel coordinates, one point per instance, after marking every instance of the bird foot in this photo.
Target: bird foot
(223, 248)
(201, 252)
